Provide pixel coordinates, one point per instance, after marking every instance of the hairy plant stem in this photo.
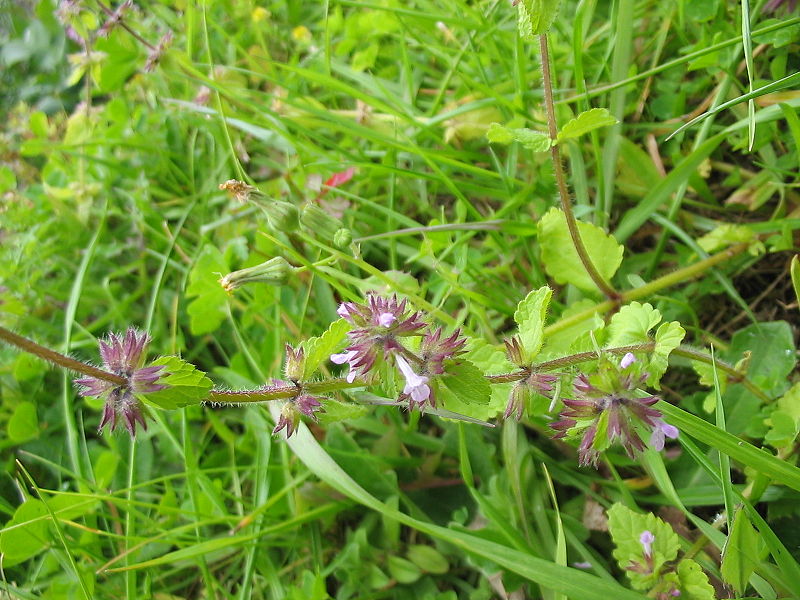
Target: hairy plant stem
(561, 181)
(57, 358)
(292, 390)
(126, 27)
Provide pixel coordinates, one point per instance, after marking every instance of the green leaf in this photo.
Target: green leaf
(402, 570)
(728, 235)
(466, 382)
(533, 140)
(340, 411)
(534, 17)
(560, 259)
(428, 558)
(585, 122)
(319, 349)
(668, 337)
(26, 534)
(693, 582)
(491, 361)
(632, 324)
(741, 554)
(784, 421)
(23, 424)
(626, 528)
(187, 385)
(795, 271)
(530, 316)
(210, 307)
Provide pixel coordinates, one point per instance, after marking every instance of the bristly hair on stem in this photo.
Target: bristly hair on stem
(563, 192)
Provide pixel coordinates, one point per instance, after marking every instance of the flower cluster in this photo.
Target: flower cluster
(124, 356)
(606, 407)
(377, 338)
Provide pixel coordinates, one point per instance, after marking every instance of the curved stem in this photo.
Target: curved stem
(57, 358)
(563, 192)
(733, 375)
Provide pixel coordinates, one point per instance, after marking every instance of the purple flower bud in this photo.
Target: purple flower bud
(627, 360)
(295, 363)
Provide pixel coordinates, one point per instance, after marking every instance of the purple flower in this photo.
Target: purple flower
(378, 326)
(416, 389)
(662, 429)
(608, 401)
(114, 19)
(124, 356)
(646, 540)
(434, 350)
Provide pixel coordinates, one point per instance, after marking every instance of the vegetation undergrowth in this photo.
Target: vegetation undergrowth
(399, 299)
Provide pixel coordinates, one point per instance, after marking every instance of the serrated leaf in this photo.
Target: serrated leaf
(340, 411)
(693, 582)
(631, 325)
(209, 308)
(585, 122)
(626, 528)
(187, 385)
(728, 235)
(533, 140)
(668, 337)
(530, 316)
(466, 382)
(741, 553)
(535, 17)
(561, 259)
(491, 361)
(465, 391)
(319, 349)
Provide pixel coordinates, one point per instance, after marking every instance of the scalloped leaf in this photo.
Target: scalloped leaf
(632, 324)
(560, 258)
(187, 384)
(530, 316)
(585, 122)
(668, 337)
(535, 17)
(533, 140)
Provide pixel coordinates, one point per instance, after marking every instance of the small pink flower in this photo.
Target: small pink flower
(416, 387)
(646, 540)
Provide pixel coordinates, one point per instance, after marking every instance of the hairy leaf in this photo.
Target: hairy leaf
(319, 349)
(560, 258)
(530, 316)
(187, 385)
(533, 140)
(535, 17)
(585, 122)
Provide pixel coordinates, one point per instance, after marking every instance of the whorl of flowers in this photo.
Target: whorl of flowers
(606, 408)
(124, 356)
(380, 324)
